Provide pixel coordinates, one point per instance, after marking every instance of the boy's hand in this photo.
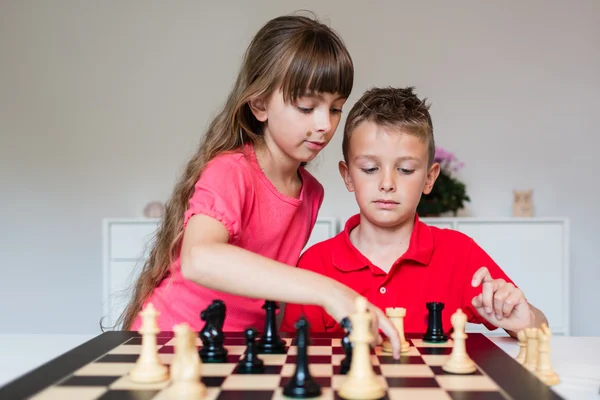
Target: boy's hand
(501, 303)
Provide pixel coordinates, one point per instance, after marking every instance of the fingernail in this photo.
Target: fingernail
(498, 316)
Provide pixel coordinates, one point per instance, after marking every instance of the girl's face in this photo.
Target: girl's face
(299, 130)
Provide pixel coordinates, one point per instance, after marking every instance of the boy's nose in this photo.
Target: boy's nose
(387, 184)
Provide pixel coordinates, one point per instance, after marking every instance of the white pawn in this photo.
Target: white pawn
(148, 368)
(396, 315)
(362, 382)
(544, 370)
(186, 366)
(459, 361)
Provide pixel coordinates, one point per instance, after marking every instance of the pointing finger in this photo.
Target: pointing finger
(481, 275)
(390, 331)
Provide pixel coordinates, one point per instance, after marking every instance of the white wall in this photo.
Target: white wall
(101, 103)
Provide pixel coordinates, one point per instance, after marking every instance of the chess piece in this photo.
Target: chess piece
(186, 366)
(396, 315)
(435, 331)
(459, 361)
(544, 370)
(531, 356)
(270, 342)
(347, 346)
(302, 385)
(522, 346)
(361, 382)
(250, 363)
(148, 368)
(211, 335)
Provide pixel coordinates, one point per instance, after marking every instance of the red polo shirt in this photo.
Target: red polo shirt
(438, 266)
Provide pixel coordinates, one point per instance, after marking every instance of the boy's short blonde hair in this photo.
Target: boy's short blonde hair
(394, 108)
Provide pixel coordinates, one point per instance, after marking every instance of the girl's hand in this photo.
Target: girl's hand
(341, 304)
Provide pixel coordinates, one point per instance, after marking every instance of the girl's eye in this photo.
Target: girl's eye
(305, 110)
(369, 170)
(336, 110)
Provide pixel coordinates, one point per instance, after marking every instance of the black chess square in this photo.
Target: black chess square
(268, 370)
(234, 341)
(323, 381)
(213, 381)
(460, 395)
(129, 395)
(245, 395)
(434, 350)
(402, 360)
(411, 382)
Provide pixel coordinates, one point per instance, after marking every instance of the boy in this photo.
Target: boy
(385, 253)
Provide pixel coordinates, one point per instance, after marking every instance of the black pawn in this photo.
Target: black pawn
(435, 331)
(250, 364)
(270, 342)
(302, 385)
(213, 349)
(347, 346)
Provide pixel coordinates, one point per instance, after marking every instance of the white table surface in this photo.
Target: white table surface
(575, 359)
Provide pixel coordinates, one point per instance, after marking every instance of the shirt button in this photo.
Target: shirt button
(382, 290)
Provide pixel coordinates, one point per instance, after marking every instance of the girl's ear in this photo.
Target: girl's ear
(259, 108)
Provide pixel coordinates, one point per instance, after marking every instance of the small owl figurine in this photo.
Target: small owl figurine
(523, 203)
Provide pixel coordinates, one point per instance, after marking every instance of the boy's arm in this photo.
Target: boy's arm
(494, 297)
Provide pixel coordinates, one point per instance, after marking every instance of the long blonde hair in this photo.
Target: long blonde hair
(295, 53)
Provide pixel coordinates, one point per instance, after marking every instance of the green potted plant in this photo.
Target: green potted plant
(449, 194)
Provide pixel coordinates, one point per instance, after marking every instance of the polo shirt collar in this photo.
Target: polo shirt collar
(347, 258)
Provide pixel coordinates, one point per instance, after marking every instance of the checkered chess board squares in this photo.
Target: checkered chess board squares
(418, 374)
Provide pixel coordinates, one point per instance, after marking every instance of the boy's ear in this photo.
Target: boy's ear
(346, 176)
(258, 106)
(432, 175)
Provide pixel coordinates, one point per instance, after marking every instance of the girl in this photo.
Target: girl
(245, 206)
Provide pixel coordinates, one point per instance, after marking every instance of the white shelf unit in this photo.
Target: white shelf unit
(534, 252)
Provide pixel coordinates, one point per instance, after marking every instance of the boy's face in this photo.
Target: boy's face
(387, 170)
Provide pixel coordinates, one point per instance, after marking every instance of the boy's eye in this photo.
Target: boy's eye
(369, 170)
(407, 171)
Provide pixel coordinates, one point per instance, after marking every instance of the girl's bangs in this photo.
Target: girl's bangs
(321, 66)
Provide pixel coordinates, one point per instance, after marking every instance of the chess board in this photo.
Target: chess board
(98, 370)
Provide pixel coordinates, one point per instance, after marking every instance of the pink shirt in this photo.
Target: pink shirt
(234, 190)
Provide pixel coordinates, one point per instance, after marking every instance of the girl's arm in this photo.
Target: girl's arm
(208, 259)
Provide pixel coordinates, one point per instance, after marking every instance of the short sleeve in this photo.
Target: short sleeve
(221, 193)
(479, 258)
